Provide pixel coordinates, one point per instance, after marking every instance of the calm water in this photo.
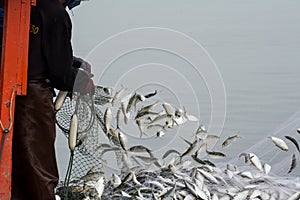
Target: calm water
(255, 45)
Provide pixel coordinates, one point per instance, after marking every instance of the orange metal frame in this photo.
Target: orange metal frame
(13, 80)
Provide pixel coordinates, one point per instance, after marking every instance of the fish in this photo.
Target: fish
(231, 167)
(295, 196)
(279, 143)
(241, 195)
(115, 180)
(267, 168)
(246, 156)
(201, 129)
(131, 101)
(179, 112)
(145, 114)
(126, 115)
(159, 118)
(192, 118)
(119, 112)
(140, 148)
(169, 192)
(81, 139)
(141, 128)
(167, 153)
(107, 119)
(138, 98)
(255, 161)
(134, 178)
(147, 159)
(155, 127)
(229, 140)
(123, 140)
(92, 176)
(73, 132)
(293, 164)
(149, 107)
(190, 149)
(168, 108)
(60, 99)
(107, 90)
(255, 194)
(125, 194)
(246, 175)
(117, 95)
(215, 155)
(293, 140)
(160, 134)
(99, 186)
(203, 162)
(150, 94)
(208, 176)
(201, 148)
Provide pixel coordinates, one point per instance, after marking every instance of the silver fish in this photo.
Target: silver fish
(215, 155)
(117, 95)
(169, 152)
(267, 168)
(150, 94)
(119, 113)
(160, 134)
(115, 180)
(295, 196)
(208, 176)
(60, 99)
(131, 102)
(168, 108)
(107, 119)
(190, 149)
(141, 128)
(145, 114)
(201, 129)
(126, 115)
(123, 140)
(229, 140)
(73, 132)
(81, 138)
(159, 118)
(140, 148)
(246, 157)
(147, 159)
(99, 186)
(149, 107)
(255, 161)
(125, 194)
(293, 140)
(280, 143)
(293, 164)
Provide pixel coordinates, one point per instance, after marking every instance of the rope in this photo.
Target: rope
(5, 131)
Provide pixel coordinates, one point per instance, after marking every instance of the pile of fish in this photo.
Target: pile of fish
(190, 174)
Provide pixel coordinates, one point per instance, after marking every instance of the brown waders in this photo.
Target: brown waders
(35, 173)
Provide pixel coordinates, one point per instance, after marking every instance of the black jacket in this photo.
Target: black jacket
(50, 49)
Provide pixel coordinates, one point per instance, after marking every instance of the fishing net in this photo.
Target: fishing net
(138, 174)
(90, 126)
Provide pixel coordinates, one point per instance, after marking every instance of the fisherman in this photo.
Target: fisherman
(50, 65)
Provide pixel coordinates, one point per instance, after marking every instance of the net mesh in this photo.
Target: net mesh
(175, 178)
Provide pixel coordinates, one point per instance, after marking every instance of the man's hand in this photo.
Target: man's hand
(84, 83)
(80, 63)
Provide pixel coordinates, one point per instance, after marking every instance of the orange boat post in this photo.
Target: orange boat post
(13, 80)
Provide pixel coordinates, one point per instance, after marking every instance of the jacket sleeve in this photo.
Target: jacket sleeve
(57, 45)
